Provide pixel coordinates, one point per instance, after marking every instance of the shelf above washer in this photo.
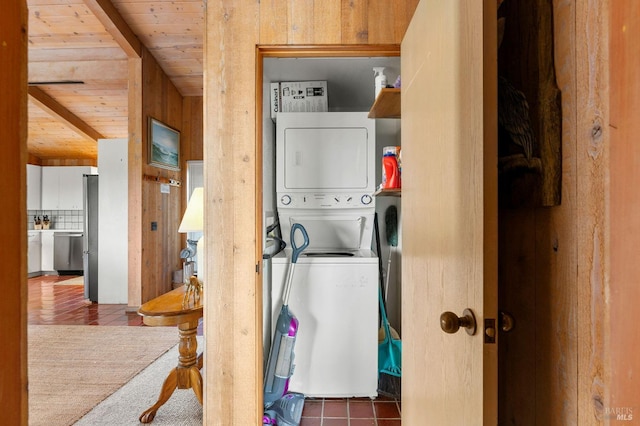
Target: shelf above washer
(386, 105)
(388, 193)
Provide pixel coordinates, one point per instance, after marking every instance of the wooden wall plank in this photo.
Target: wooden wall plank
(192, 130)
(152, 80)
(403, 13)
(160, 246)
(556, 256)
(300, 22)
(624, 337)
(354, 22)
(13, 251)
(327, 16)
(381, 25)
(590, 221)
(273, 22)
(517, 296)
(556, 319)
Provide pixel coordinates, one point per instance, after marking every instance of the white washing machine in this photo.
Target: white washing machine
(334, 295)
(325, 178)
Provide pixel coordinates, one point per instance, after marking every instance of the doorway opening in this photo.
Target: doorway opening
(348, 71)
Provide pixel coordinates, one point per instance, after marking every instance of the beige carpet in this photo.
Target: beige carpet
(124, 406)
(73, 368)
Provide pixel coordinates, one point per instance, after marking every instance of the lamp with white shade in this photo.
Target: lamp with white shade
(193, 221)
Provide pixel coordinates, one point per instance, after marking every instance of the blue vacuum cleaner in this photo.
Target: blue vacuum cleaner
(281, 407)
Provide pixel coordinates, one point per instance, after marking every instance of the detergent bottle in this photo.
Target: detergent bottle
(390, 171)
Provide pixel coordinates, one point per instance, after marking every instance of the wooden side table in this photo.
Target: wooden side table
(168, 309)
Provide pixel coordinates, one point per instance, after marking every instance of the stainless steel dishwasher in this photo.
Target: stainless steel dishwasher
(67, 252)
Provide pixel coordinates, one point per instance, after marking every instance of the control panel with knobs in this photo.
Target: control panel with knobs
(325, 200)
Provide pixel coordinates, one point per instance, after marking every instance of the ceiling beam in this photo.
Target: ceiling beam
(60, 113)
(115, 25)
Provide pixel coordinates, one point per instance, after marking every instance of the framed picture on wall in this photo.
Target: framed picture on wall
(164, 145)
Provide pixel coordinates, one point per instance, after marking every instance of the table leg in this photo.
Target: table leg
(186, 375)
(196, 382)
(169, 385)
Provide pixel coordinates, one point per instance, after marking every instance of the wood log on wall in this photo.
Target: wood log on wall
(526, 61)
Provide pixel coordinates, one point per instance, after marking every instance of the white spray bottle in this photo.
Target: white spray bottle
(380, 79)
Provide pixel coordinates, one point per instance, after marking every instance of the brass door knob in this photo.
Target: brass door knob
(451, 323)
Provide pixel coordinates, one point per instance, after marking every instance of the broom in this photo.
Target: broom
(391, 231)
(390, 346)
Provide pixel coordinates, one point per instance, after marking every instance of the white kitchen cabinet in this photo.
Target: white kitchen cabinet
(47, 251)
(50, 187)
(34, 187)
(33, 253)
(70, 187)
(62, 187)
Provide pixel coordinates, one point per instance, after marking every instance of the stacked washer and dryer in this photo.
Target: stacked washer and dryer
(325, 178)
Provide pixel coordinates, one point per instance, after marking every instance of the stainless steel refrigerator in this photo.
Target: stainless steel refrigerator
(90, 237)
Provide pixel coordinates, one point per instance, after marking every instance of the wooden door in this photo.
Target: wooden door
(449, 204)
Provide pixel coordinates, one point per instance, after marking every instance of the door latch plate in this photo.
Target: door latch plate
(489, 330)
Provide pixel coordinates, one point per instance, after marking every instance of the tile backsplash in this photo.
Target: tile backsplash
(59, 219)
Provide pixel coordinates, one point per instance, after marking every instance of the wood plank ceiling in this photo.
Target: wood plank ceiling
(78, 52)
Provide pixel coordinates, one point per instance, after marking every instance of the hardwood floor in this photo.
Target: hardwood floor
(54, 302)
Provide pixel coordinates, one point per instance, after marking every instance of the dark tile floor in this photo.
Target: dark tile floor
(351, 412)
(52, 301)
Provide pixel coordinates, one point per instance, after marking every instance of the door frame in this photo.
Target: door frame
(290, 51)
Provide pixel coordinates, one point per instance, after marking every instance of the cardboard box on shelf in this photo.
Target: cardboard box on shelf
(274, 91)
(299, 96)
